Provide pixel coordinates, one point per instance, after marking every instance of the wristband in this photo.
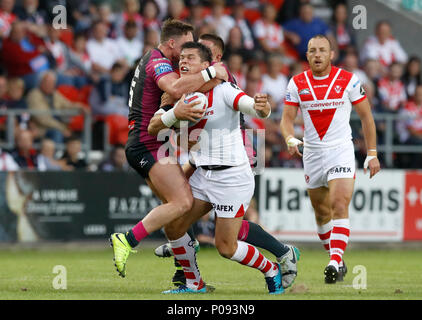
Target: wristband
(169, 118)
(366, 163)
(208, 73)
(293, 142)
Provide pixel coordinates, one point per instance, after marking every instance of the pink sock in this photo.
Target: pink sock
(244, 231)
(139, 231)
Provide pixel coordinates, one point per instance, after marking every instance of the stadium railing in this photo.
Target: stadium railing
(11, 115)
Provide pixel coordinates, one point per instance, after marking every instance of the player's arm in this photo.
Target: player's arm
(363, 109)
(288, 130)
(258, 106)
(188, 169)
(175, 86)
(167, 116)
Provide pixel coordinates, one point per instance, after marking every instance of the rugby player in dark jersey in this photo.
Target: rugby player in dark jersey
(250, 232)
(153, 76)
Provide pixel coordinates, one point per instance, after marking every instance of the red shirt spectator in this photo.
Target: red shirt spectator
(391, 89)
(6, 17)
(18, 59)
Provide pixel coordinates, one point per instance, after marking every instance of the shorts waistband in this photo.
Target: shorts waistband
(215, 167)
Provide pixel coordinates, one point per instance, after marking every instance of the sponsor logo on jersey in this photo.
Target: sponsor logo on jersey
(307, 178)
(304, 91)
(221, 207)
(362, 91)
(356, 83)
(338, 89)
(321, 86)
(161, 68)
(340, 170)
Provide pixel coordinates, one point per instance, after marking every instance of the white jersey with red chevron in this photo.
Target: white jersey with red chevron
(326, 103)
(220, 137)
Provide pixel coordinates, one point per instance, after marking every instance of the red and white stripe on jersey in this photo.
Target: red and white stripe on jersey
(339, 239)
(326, 105)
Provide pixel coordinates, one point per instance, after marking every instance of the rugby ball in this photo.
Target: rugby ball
(203, 105)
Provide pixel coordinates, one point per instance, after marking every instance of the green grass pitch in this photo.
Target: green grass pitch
(90, 274)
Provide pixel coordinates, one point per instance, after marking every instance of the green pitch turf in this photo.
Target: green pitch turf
(28, 274)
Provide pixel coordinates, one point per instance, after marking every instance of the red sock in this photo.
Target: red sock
(324, 233)
(139, 231)
(338, 240)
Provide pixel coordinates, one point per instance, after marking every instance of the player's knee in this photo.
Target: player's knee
(183, 204)
(339, 208)
(225, 249)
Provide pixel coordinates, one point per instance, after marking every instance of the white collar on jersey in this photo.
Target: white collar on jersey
(320, 78)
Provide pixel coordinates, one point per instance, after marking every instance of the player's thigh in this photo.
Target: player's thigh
(180, 226)
(155, 191)
(341, 192)
(170, 182)
(320, 200)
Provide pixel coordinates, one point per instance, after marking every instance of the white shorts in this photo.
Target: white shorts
(324, 165)
(229, 191)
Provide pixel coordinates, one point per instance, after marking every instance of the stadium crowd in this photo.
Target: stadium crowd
(89, 65)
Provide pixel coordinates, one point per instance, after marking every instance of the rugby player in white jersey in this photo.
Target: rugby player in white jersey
(223, 180)
(326, 95)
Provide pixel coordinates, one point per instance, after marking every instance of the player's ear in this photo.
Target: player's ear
(332, 54)
(171, 43)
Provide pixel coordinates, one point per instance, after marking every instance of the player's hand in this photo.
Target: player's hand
(220, 71)
(373, 164)
(184, 111)
(292, 144)
(167, 99)
(261, 105)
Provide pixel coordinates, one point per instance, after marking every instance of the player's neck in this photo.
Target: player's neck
(166, 51)
(322, 74)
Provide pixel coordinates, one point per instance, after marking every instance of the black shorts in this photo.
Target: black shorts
(140, 158)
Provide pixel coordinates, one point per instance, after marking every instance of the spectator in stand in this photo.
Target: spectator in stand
(130, 11)
(235, 44)
(373, 70)
(15, 100)
(412, 76)
(410, 130)
(81, 14)
(106, 16)
(3, 104)
(351, 64)
(116, 160)
(64, 60)
(34, 17)
(129, 45)
(238, 14)
(46, 160)
(73, 156)
(22, 55)
(152, 39)
(343, 33)
(7, 17)
(79, 63)
(268, 32)
(103, 51)
(150, 11)
(383, 46)
(46, 98)
(176, 10)
(236, 67)
(110, 95)
(219, 21)
(300, 30)
(275, 85)
(391, 89)
(289, 10)
(7, 163)
(196, 17)
(24, 154)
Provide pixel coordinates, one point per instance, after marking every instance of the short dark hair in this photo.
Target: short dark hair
(204, 52)
(214, 39)
(321, 36)
(174, 28)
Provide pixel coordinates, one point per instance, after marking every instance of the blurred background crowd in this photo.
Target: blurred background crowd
(88, 66)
